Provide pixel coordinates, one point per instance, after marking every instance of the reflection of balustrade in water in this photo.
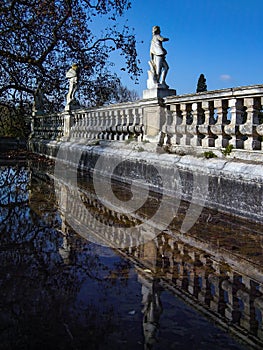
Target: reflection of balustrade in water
(221, 283)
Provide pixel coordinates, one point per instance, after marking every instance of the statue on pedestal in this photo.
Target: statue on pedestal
(156, 84)
(158, 64)
(73, 76)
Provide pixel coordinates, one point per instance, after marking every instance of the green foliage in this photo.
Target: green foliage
(201, 84)
(227, 150)
(40, 39)
(209, 154)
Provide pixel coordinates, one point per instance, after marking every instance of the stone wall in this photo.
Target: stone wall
(227, 185)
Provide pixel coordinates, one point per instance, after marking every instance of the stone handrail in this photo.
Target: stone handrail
(208, 120)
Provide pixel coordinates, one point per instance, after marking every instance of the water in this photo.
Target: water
(60, 290)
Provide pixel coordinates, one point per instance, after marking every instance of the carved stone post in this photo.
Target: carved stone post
(68, 122)
(154, 119)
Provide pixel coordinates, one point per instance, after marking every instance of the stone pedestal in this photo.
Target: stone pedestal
(158, 91)
(155, 89)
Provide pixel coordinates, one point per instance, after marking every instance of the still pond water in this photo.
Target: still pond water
(59, 290)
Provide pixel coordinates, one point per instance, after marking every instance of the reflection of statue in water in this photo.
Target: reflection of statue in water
(73, 77)
(152, 310)
(158, 64)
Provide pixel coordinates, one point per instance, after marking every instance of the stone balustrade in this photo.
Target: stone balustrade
(216, 119)
(48, 127)
(209, 120)
(109, 123)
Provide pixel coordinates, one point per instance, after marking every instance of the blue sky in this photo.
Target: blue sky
(220, 38)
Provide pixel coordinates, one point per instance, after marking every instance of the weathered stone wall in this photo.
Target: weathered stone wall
(228, 185)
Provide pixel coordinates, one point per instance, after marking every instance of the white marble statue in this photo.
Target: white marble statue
(72, 75)
(158, 64)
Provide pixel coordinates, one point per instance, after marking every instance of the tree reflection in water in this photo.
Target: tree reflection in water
(60, 291)
(49, 290)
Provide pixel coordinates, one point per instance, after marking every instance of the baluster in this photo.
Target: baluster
(106, 123)
(227, 286)
(192, 129)
(87, 122)
(132, 120)
(91, 120)
(246, 312)
(205, 127)
(249, 128)
(176, 121)
(81, 126)
(111, 123)
(101, 118)
(96, 125)
(259, 127)
(125, 124)
(129, 117)
(103, 124)
(84, 125)
(140, 127)
(114, 134)
(217, 293)
(258, 303)
(218, 129)
(169, 126)
(120, 124)
(232, 129)
(181, 128)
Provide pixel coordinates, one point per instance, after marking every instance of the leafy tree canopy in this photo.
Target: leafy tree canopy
(40, 39)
